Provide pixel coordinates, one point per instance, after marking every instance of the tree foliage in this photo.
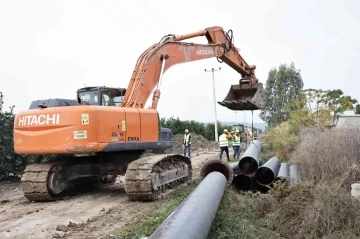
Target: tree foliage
(178, 126)
(357, 109)
(316, 107)
(10, 162)
(338, 103)
(282, 86)
(309, 109)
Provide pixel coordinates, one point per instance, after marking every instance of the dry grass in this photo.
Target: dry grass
(308, 211)
(329, 156)
(321, 206)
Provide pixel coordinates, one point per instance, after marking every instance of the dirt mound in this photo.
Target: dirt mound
(198, 143)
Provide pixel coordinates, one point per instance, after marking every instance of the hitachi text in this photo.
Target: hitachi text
(39, 119)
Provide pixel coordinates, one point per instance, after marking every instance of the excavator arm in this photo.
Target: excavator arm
(153, 63)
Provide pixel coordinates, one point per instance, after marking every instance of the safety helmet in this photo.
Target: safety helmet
(225, 131)
(186, 131)
(237, 131)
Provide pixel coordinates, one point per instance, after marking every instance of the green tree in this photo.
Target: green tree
(178, 126)
(283, 85)
(10, 162)
(357, 109)
(309, 109)
(338, 103)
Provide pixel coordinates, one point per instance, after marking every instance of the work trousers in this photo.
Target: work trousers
(226, 149)
(187, 147)
(236, 152)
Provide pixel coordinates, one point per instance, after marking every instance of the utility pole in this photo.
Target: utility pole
(213, 78)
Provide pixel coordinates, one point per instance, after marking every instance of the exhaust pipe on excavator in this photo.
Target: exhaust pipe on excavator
(246, 95)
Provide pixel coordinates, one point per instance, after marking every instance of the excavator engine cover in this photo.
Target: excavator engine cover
(245, 97)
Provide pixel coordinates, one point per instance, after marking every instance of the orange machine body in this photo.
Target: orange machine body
(86, 129)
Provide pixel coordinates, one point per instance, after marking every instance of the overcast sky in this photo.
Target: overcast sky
(49, 49)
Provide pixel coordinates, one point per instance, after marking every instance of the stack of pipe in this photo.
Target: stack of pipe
(250, 173)
(194, 216)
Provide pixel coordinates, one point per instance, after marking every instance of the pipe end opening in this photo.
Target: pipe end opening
(242, 183)
(217, 166)
(248, 166)
(264, 176)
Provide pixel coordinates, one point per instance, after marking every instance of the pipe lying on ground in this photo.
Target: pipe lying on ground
(267, 173)
(240, 181)
(294, 175)
(235, 168)
(194, 216)
(283, 172)
(243, 183)
(249, 162)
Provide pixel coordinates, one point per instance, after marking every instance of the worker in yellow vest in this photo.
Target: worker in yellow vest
(187, 142)
(255, 135)
(236, 144)
(224, 143)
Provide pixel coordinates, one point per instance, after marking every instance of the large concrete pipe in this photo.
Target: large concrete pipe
(250, 160)
(267, 173)
(194, 216)
(283, 172)
(294, 174)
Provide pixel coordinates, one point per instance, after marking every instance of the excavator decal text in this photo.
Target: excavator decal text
(204, 52)
(39, 119)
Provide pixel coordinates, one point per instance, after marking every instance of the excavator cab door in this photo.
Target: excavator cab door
(247, 95)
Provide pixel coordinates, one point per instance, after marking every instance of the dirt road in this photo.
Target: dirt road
(91, 214)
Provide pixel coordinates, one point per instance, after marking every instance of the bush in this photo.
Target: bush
(329, 156)
(10, 162)
(281, 141)
(308, 211)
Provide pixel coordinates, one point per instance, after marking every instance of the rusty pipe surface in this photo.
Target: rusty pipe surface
(194, 216)
(294, 175)
(217, 166)
(283, 172)
(250, 160)
(267, 173)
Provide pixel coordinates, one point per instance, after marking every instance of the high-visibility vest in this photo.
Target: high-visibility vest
(236, 140)
(223, 141)
(187, 139)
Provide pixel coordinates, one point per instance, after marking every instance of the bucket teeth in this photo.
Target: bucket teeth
(245, 97)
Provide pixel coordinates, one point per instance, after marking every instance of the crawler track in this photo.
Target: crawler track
(148, 177)
(35, 182)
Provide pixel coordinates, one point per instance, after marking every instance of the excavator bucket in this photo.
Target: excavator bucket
(245, 97)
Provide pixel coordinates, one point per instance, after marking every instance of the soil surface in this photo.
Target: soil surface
(86, 214)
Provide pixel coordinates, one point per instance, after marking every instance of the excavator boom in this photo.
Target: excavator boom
(150, 67)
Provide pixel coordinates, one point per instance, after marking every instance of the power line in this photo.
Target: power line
(115, 17)
(156, 15)
(131, 15)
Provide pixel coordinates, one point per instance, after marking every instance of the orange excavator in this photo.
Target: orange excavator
(105, 131)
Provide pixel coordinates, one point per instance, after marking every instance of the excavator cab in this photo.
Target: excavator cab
(247, 95)
(101, 95)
